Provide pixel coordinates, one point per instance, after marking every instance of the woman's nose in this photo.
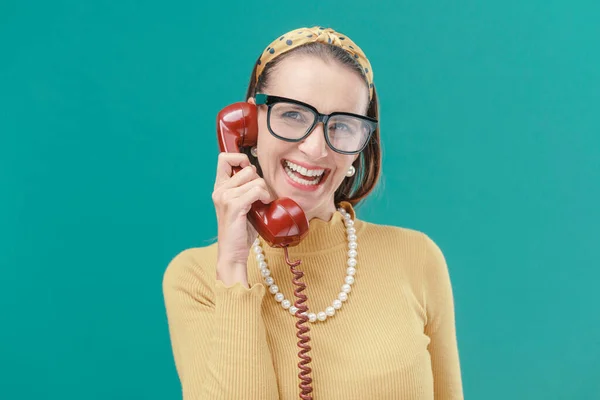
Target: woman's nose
(315, 146)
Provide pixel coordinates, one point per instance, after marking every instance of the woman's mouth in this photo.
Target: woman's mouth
(302, 177)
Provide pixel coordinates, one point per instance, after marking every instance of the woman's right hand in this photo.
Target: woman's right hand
(233, 195)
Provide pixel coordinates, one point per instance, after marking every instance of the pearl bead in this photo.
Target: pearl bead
(352, 245)
(293, 310)
(273, 289)
(256, 242)
(347, 216)
(312, 317)
(321, 316)
(352, 262)
(349, 223)
(343, 296)
(349, 279)
(351, 270)
(262, 265)
(346, 288)
(265, 272)
(286, 304)
(330, 311)
(352, 238)
(352, 253)
(337, 304)
(260, 257)
(279, 297)
(257, 249)
(351, 231)
(269, 280)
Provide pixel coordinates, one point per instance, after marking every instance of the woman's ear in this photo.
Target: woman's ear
(251, 100)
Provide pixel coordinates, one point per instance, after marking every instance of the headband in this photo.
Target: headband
(301, 36)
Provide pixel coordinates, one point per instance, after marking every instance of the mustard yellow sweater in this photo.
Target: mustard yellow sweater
(394, 338)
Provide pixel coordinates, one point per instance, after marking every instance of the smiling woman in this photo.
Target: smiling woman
(233, 329)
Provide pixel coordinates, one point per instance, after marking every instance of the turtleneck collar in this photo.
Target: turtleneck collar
(322, 235)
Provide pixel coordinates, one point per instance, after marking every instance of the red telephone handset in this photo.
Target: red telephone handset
(281, 223)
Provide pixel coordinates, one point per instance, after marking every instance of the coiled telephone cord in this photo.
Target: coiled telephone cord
(304, 375)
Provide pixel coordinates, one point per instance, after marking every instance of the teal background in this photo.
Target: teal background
(490, 123)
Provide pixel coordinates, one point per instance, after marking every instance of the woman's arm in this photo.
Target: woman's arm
(218, 335)
(440, 326)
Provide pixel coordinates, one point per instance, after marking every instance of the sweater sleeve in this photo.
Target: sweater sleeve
(441, 327)
(217, 334)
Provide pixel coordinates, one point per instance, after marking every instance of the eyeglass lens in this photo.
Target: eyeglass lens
(293, 121)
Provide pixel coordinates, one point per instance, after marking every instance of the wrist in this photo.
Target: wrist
(230, 272)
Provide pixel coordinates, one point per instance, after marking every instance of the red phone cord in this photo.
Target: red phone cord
(304, 375)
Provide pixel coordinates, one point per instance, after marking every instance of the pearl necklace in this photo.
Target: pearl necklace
(346, 287)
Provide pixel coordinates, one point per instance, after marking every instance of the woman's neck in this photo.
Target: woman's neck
(326, 231)
(324, 213)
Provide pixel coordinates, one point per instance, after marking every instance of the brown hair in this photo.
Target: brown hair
(368, 164)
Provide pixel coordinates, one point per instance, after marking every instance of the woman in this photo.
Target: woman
(381, 315)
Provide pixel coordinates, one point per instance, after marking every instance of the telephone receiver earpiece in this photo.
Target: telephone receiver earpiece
(282, 223)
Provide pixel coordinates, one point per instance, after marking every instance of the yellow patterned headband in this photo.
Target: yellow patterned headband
(301, 36)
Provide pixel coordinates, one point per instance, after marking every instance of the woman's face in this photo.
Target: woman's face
(328, 87)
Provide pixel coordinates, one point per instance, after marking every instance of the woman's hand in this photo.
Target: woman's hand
(233, 196)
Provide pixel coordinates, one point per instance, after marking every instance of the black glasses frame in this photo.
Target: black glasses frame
(269, 101)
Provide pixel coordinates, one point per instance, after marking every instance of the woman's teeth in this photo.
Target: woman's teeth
(304, 171)
(307, 176)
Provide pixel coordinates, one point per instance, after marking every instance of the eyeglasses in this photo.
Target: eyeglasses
(292, 121)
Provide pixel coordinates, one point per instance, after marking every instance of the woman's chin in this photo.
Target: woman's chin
(313, 207)
(311, 202)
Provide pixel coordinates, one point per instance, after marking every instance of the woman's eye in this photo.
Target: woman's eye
(338, 127)
(293, 115)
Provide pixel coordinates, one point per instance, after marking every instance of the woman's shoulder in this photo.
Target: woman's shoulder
(191, 266)
(385, 233)
(400, 240)
(409, 247)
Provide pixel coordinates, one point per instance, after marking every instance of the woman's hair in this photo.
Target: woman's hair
(368, 165)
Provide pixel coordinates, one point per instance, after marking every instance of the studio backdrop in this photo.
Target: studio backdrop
(491, 135)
